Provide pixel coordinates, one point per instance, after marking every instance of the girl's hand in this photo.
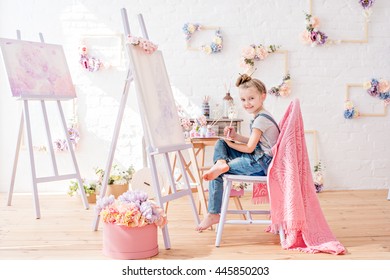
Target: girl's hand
(229, 132)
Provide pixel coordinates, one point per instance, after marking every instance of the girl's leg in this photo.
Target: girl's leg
(222, 154)
(214, 205)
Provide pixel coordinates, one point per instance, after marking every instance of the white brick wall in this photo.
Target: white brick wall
(355, 152)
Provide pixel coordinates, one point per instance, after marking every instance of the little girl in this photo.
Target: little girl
(239, 154)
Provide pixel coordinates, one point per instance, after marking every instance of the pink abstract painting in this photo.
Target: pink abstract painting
(37, 70)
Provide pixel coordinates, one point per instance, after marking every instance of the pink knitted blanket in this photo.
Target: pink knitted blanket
(293, 200)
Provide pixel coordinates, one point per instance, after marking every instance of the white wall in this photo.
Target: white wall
(355, 152)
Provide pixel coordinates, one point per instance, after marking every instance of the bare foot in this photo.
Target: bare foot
(217, 169)
(208, 221)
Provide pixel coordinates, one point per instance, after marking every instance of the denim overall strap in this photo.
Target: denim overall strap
(259, 155)
(270, 118)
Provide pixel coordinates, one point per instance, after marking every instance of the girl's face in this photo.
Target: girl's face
(251, 99)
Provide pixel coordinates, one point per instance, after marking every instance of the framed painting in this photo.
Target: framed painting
(37, 70)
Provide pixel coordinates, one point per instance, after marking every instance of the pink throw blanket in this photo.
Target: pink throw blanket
(293, 200)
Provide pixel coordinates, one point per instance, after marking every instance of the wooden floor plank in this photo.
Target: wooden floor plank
(360, 219)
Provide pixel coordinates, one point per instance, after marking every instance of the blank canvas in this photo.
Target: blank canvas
(155, 97)
(37, 70)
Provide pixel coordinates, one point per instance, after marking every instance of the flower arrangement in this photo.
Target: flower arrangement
(90, 187)
(284, 89)
(199, 127)
(254, 53)
(312, 35)
(61, 145)
(91, 64)
(350, 112)
(131, 209)
(318, 177)
(146, 45)
(214, 47)
(118, 175)
(378, 88)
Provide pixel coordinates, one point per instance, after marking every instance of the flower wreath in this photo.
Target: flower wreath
(259, 52)
(315, 37)
(375, 88)
(214, 47)
(91, 64)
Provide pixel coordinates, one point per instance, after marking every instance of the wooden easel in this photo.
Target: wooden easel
(25, 119)
(152, 151)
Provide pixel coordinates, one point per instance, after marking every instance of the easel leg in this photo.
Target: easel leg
(114, 141)
(16, 158)
(31, 157)
(78, 176)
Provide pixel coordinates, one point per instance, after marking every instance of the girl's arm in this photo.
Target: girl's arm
(230, 132)
(250, 146)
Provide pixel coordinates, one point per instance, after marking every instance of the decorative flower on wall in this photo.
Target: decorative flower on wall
(318, 177)
(378, 88)
(312, 35)
(350, 112)
(284, 89)
(214, 47)
(367, 4)
(254, 53)
(90, 63)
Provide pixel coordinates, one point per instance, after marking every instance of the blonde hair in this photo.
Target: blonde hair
(247, 82)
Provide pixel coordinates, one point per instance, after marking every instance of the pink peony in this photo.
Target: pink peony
(384, 86)
(315, 22)
(306, 37)
(261, 52)
(248, 52)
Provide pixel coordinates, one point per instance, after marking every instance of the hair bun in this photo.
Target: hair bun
(242, 79)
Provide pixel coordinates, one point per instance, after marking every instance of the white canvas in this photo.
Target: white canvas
(37, 70)
(156, 100)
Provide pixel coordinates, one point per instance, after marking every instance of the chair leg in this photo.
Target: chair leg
(224, 208)
(282, 236)
(238, 204)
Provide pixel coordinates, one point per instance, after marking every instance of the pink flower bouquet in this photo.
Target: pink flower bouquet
(131, 209)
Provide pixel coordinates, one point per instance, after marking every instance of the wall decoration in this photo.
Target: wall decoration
(375, 88)
(214, 47)
(37, 70)
(99, 52)
(254, 53)
(314, 37)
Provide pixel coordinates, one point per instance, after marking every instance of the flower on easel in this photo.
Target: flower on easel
(350, 112)
(378, 88)
(146, 45)
(284, 89)
(254, 53)
(312, 35)
(131, 209)
(318, 177)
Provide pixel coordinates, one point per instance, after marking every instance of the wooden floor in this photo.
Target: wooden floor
(359, 219)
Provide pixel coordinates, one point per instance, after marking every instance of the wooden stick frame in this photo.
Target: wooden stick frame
(204, 27)
(315, 147)
(365, 35)
(347, 97)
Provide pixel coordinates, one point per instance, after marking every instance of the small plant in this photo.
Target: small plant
(118, 175)
(90, 187)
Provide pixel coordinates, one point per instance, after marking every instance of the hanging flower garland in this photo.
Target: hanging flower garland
(146, 45)
(60, 145)
(214, 47)
(254, 53)
(92, 64)
(314, 37)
